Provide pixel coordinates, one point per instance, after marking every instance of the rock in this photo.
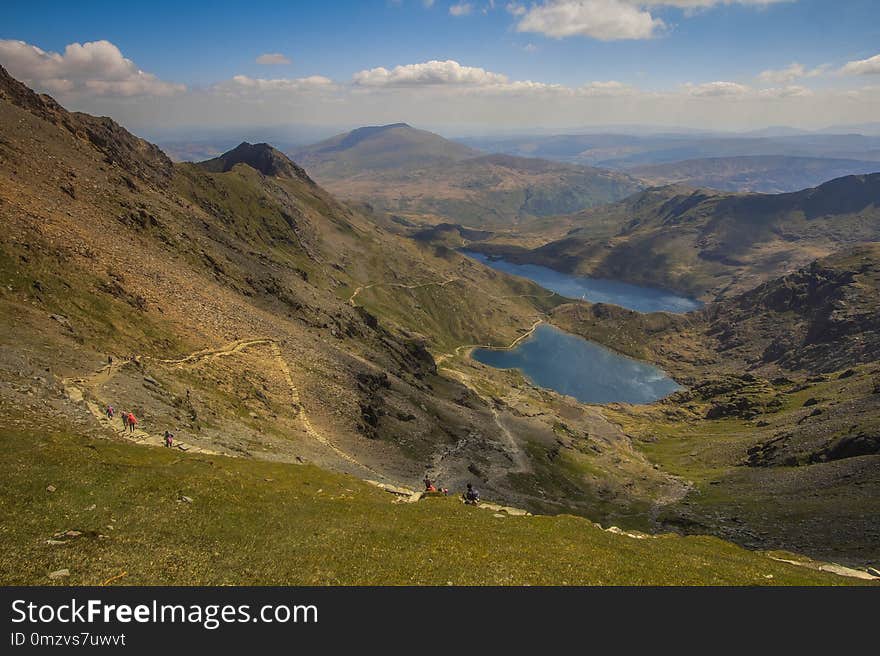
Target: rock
(64, 321)
(811, 401)
(873, 572)
(59, 573)
(184, 499)
(51, 488)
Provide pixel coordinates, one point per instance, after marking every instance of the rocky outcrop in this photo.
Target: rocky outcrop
(262, 157)
(118, 146)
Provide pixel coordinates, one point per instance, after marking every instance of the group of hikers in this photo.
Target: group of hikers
(470, 496)
(129, 422)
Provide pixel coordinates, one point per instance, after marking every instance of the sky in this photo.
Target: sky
(462, 66)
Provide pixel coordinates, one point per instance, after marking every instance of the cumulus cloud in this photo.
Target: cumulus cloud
(790, 73)
(272, 59)
(870, 66)
(607, 20)
(242, 85)
(716, 89)
(448, 72)
(789, 91)
(461, 9)
(95, 67)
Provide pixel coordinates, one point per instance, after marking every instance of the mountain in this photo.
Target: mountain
(261, 157)
(766, 174)
(378, 147)
(427, 179)
(709, 243)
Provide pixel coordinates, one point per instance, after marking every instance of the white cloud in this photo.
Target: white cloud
(272, 58)
(447, 72)
(607, 20)
(790, 73)
(716, 89)
(607, 89)
(461, 9)
(427, 4)
(96, 67)
(870, 66)
(789, 91)
(242, 85)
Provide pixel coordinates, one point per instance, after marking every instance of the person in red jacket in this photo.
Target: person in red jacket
(132, 422)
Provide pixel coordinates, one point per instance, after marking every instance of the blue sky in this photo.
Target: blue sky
(650, 46)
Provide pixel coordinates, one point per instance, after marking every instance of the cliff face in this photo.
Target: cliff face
(821, 318)
(138, 157)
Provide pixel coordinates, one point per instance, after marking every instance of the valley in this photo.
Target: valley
(310, 331)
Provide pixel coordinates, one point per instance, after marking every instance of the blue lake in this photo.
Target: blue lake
(595, 290)
(571, 365)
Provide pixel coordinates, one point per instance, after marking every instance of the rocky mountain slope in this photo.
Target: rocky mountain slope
(779, 429)
(427, 179)
(109, 249)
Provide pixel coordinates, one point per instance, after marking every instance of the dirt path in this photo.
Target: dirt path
(399, 285)
(441, 358)
(517, 455)
(84, 389)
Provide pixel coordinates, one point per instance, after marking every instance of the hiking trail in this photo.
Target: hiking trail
(84, 389)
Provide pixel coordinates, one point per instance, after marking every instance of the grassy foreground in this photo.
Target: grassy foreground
(250, 522)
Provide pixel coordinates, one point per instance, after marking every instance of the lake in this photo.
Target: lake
(571, 365)
(595, 290)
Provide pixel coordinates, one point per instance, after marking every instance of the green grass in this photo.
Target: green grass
(269, 523)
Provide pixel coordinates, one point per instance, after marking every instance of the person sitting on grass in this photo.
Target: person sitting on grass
(471, 496)
(429, 485)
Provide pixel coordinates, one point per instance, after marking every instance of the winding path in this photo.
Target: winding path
(84, 389)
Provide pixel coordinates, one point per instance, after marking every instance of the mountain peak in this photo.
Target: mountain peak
(262, 157)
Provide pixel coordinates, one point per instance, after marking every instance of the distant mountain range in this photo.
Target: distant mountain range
(624, 151)
(762, 173)
(429, 179)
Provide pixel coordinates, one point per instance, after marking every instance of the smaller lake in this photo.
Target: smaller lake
(595, 290)
(571, 365)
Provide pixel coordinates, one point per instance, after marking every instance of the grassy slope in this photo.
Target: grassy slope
(258, 522)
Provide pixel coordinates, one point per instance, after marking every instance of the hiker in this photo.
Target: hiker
(110, 412)
(124, 420)
(132, 422)
(429, 486)
(471, 496)
(169, 439)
